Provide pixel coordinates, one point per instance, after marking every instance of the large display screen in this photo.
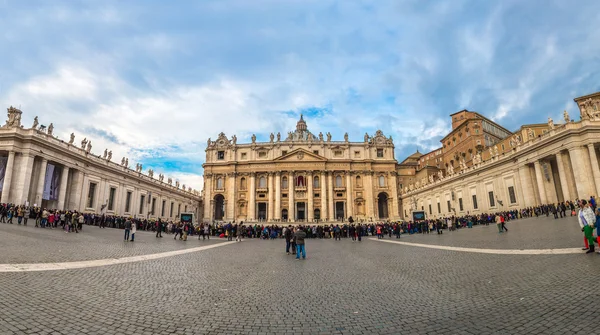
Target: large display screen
(187, 218)
(417, 216)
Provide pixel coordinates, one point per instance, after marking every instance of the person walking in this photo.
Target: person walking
(288, 239)
(498, 224)
(159, 228)
(133, 230)
(503, 222)
(127, 229)
(586, 220)
(300, 235)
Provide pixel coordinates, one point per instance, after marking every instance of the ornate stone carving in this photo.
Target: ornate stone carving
(530, 134)
(346, 137)
(463, 164)
(431, 178)
(109, 156)
(477, 158)
(366, 137)
(83, 143)
(169, 181)
(380, 140)
(89, 147)
(35, 123)
(300, 155)
(234, 140)
(271, 138)
(123, 161)
(566, 116)
(328, 137)
(495, 150)
(150, 173)
(440, 175)
(253, 138)
(126, 162)
(177, 184)
(550, 123)
(72, 139)
(589, 109)
(14, 117)
(321, 136)
(51, 129)
(105, 153)
(278, 137)
(450, 170)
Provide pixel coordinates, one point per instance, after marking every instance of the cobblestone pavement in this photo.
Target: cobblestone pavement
(253, 287)
(37, 245)
(531, 233)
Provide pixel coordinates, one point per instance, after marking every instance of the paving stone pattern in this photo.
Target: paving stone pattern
(253, 287)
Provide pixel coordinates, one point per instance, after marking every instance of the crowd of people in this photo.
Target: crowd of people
(73, 222)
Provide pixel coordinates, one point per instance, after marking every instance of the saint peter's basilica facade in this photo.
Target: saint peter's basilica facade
(300, 178)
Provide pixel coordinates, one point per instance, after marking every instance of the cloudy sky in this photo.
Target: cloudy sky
(152, 80)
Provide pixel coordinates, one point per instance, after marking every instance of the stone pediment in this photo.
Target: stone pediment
(300, 155)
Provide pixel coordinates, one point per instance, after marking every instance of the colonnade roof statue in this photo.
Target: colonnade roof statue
(14, 121)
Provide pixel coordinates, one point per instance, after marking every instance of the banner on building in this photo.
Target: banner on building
(51, 183)
(3, 161)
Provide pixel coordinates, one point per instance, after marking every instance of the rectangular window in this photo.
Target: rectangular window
(153, 205)
(430, 209)
(316, 152)
(178, 209)
(171, 209)
(491, 195)
(111, 198)
(162, 210)
(128, 202)
(511, 195)
(142, 200)
(460, 204)
(283, 152)
(379, 153)
(449, 208)
(337, 153)
(221, 155)
(357, 154)
(439, 208)
(91, 195)
(185, 209)
(317, 195)
(340, 194)
(243, 155)
(262, 154)
(262, 195)
(284, 195)
(474, 201)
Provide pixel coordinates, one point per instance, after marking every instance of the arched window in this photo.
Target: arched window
(300, 182)
(243, 184)
(316, 182)
(381, 181)
(284, 183)
(358, 181)
(338, 181)
(219, 183)
(262, 182)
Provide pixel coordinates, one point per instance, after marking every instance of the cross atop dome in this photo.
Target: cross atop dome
(301, 125)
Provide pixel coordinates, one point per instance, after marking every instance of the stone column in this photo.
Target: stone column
(526, 186)
(251, 198)
(310, 193)
(230, 208)
(349, 196)
(40, 185)
(330, 195)
(62, 193)
(271, 198)
(539, 176)
(291, 206)
(208, 186)
(8, 178)
(562, 176)
(277, 215)
(394, 186)
(368, 182)
(322, 184)
(580, 172)
(595, 168)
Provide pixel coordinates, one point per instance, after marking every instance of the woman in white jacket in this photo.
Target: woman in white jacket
(133, 229)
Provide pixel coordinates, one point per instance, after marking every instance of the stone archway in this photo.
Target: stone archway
(219, 207)
(382, 205)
